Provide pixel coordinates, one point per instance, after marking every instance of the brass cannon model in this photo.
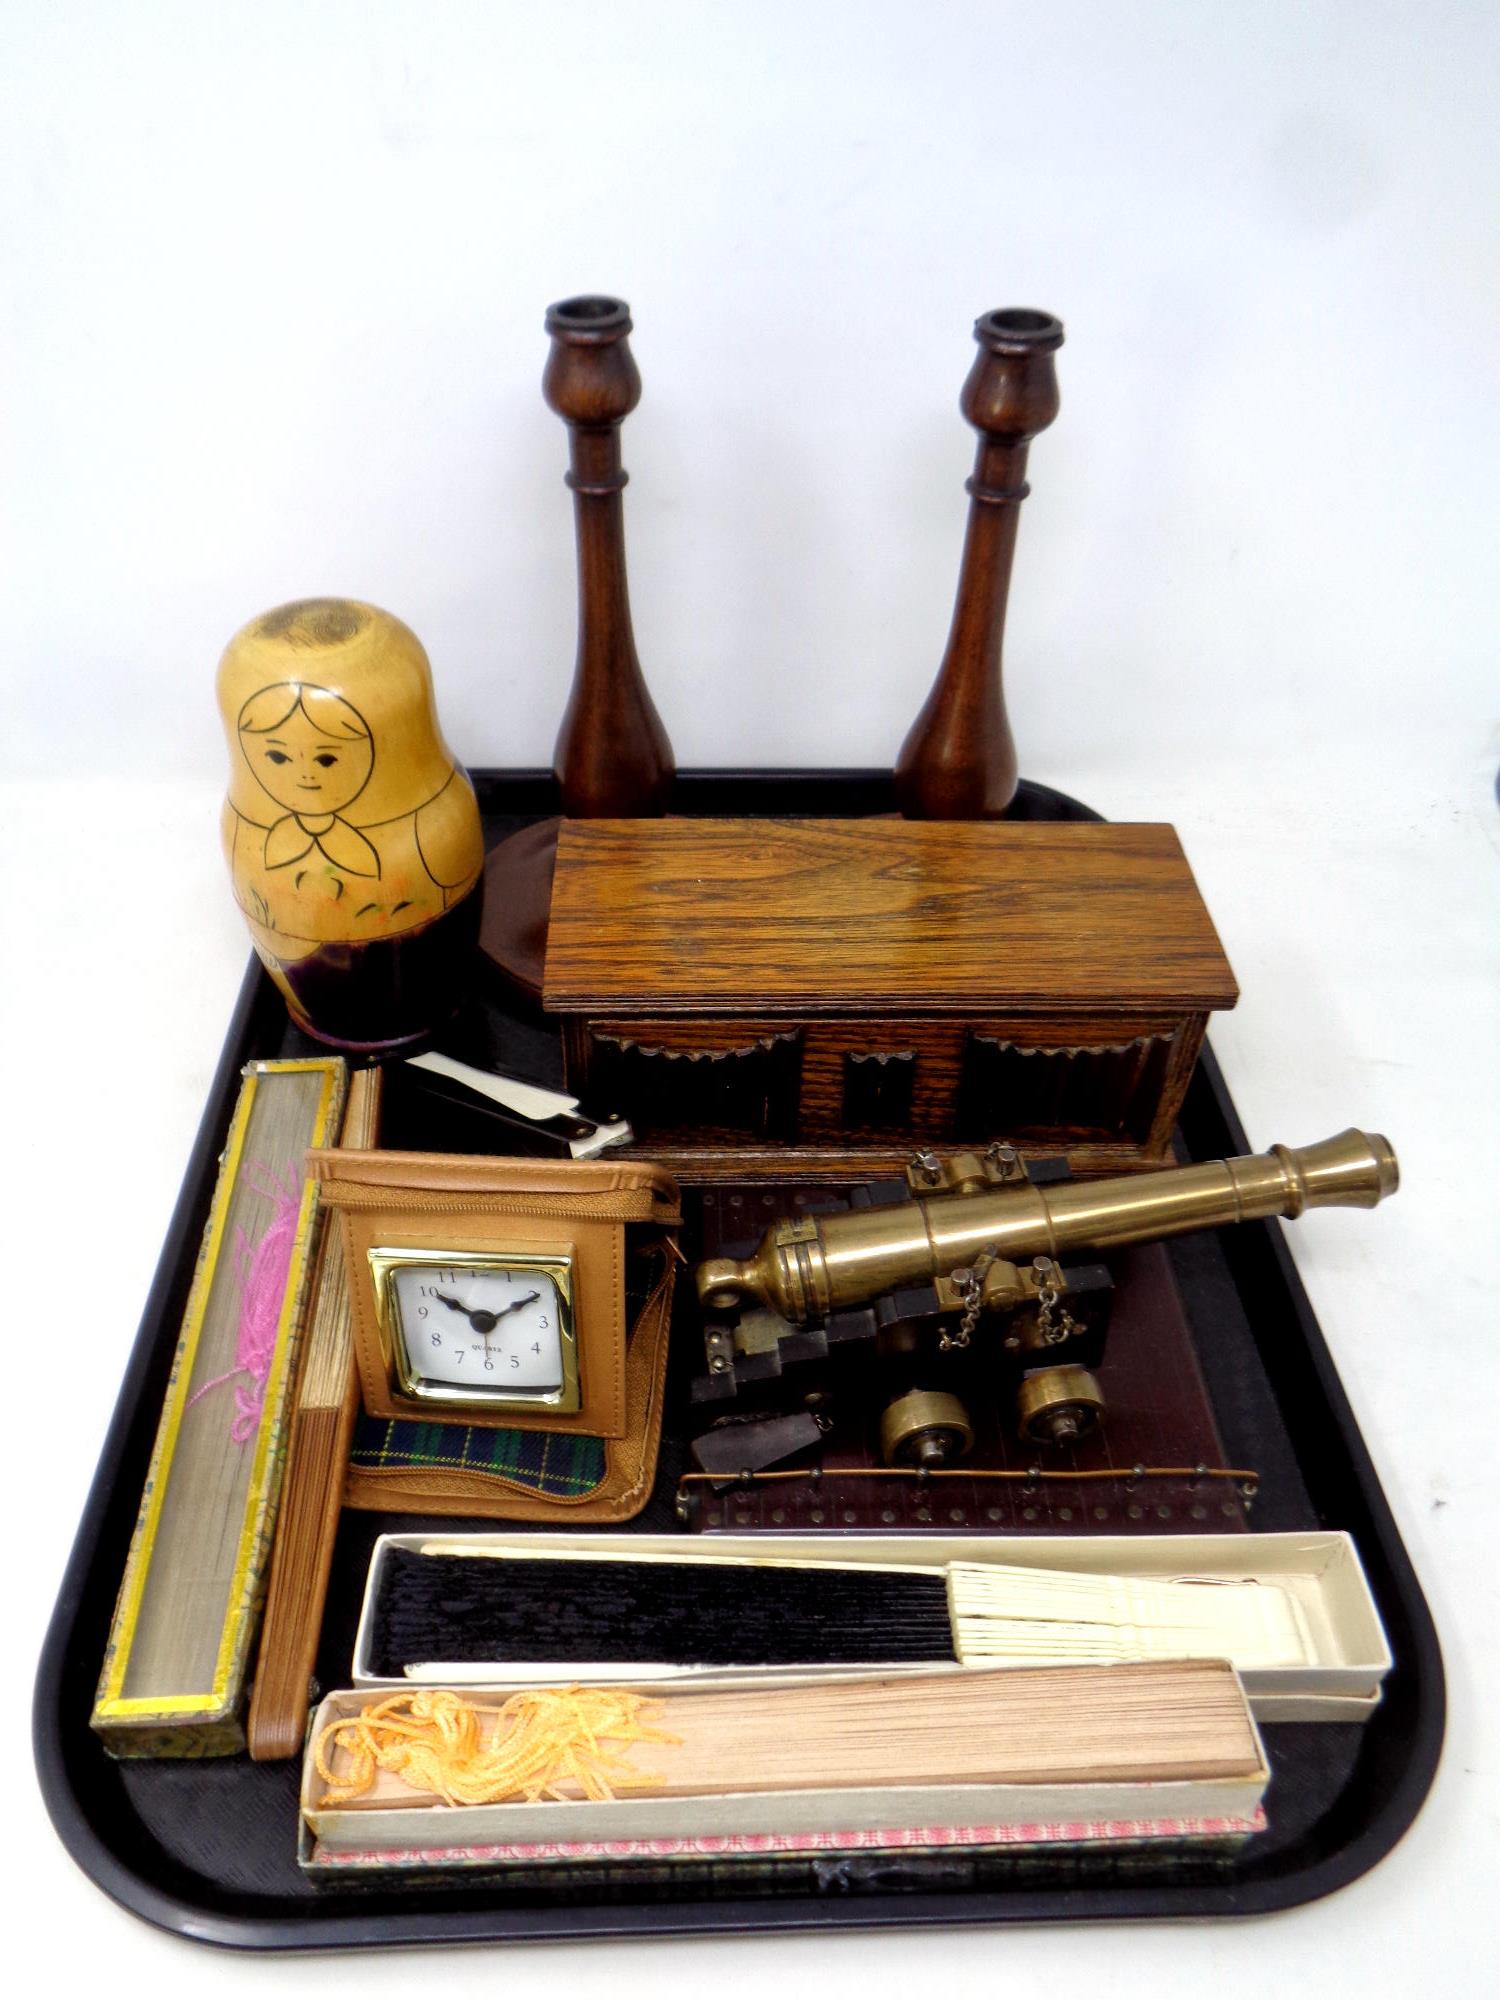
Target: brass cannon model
(978, 1244)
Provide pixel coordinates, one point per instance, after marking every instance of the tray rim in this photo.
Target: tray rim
(1415, 1692)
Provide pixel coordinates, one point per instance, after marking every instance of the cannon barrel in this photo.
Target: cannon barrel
(808, 1268)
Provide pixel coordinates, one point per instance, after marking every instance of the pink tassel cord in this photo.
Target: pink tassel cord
(262, 1269)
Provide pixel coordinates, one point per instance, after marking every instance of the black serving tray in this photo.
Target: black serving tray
(208, 1849)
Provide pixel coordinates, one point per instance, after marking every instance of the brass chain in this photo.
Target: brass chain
(1053, 1327)
(1050, 1332)
(967, 1282)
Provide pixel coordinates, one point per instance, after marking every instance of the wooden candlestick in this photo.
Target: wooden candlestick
(959, 759)
(613, 757)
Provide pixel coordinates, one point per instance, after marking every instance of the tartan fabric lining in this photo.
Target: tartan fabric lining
(565, 1466)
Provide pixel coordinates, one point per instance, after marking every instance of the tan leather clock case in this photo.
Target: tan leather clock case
(479, 1202)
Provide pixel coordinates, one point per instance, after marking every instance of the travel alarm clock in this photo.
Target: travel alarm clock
(478, 1331)
(493, 1291)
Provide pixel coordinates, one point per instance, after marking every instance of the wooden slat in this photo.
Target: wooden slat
(317, 1458)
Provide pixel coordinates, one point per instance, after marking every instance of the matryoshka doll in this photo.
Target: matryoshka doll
(352, 836)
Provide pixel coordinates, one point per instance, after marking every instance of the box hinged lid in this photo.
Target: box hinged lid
(813, 916)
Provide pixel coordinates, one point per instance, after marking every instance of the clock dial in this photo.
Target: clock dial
(469, 1327)
(481, 1331)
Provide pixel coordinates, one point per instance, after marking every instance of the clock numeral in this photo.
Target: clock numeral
(542, 1320)
(459, 1353)
(421, 1312)
(515, 1361)
(536, 1347)
(489, 1362)
(436, 1338)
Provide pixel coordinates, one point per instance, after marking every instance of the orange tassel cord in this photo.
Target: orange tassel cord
(545, 1743)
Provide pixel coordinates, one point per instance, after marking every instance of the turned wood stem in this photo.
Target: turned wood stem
(959, 758)
(613, 758)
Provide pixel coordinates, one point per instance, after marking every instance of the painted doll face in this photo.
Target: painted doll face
(308, 769)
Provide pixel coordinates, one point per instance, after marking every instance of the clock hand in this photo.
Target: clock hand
(516, 1304)
(478, 1317)
(484, 1321)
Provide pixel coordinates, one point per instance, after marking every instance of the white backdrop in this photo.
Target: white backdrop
(275, 277)
(271, 287)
